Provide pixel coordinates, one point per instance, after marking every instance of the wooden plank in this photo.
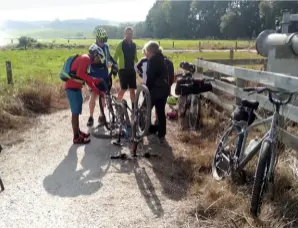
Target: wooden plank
(289, 111)
(289, 139)
(238, 61)
(276, 80)
(215, 99)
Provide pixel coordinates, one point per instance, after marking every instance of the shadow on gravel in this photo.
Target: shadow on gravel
(144, 183)
(67, 181)
(148, 191)
(172, 173)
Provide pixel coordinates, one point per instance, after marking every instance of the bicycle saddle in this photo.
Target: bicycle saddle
(250, 104)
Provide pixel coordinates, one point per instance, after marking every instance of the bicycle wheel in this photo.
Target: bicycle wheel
(142, 113)
(228, 147)
(183, 112)
(194, 114)
(261, 179)
(110, 121)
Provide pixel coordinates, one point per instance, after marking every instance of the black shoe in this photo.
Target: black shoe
(90, 121)
(163, 141)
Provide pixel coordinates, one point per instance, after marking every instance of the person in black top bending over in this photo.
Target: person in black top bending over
(157, 83)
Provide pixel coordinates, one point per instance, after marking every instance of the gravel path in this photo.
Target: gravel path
(52, 183)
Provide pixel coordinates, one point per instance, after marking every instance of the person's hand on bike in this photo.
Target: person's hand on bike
(97, 81)
(93, 84)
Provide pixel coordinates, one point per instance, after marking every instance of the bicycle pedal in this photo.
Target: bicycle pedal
(116, 143)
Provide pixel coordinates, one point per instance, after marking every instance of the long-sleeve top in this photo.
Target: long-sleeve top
(157, 77)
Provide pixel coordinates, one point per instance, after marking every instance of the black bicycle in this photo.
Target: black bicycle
(117, 120)
(189, 90)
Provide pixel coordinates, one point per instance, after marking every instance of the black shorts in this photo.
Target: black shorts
(128, 79)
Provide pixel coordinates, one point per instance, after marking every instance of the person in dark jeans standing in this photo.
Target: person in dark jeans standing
(157, 83)
(126, 56)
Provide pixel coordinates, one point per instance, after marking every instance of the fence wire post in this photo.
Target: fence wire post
(9, 72)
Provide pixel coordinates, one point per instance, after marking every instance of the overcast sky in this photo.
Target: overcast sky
(32, 10)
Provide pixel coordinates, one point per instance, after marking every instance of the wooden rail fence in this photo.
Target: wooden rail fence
(242, 75)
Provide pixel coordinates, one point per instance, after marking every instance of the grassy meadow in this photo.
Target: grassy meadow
(45, 64)
(165, 43)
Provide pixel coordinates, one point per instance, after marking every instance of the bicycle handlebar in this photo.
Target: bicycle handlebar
(275, 101)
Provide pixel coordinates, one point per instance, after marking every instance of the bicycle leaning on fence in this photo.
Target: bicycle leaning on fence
(117, 121)
(229, 160)
(189, 90)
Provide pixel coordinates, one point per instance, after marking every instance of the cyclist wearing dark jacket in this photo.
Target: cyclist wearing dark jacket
(157, 83)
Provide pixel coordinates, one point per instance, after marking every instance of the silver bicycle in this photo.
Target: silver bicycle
(230, 160)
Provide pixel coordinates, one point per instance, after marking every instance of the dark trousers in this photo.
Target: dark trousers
(160, 105)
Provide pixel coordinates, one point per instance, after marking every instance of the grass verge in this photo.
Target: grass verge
(224, 203)
(21, 103)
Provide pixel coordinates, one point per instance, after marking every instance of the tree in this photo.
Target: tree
(207, 16)
(79, 34)
(267, 17)
(25, 41)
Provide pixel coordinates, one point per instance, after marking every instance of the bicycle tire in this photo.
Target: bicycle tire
(260, 182)
(137, 113)
(217, 174)
(196, 103)
(107, 123)
(183, 112)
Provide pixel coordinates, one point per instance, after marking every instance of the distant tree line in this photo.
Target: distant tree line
(207, 19)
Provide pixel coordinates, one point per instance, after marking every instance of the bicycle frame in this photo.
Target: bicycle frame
(270, 135)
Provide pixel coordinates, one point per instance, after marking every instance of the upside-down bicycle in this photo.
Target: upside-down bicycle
(118, 124)
(230, 160)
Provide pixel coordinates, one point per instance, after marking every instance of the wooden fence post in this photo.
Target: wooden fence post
(231, 56)
(199, 70)
(159, 42)
(239, 82)
(9, 72)
(265, 64)
(236, 46)
(200, 47)
(173, 44)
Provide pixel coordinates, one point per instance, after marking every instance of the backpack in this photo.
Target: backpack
(66, 73)
(170, 67)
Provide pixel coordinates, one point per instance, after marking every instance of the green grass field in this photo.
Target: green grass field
(46, 64)
(165, 43)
